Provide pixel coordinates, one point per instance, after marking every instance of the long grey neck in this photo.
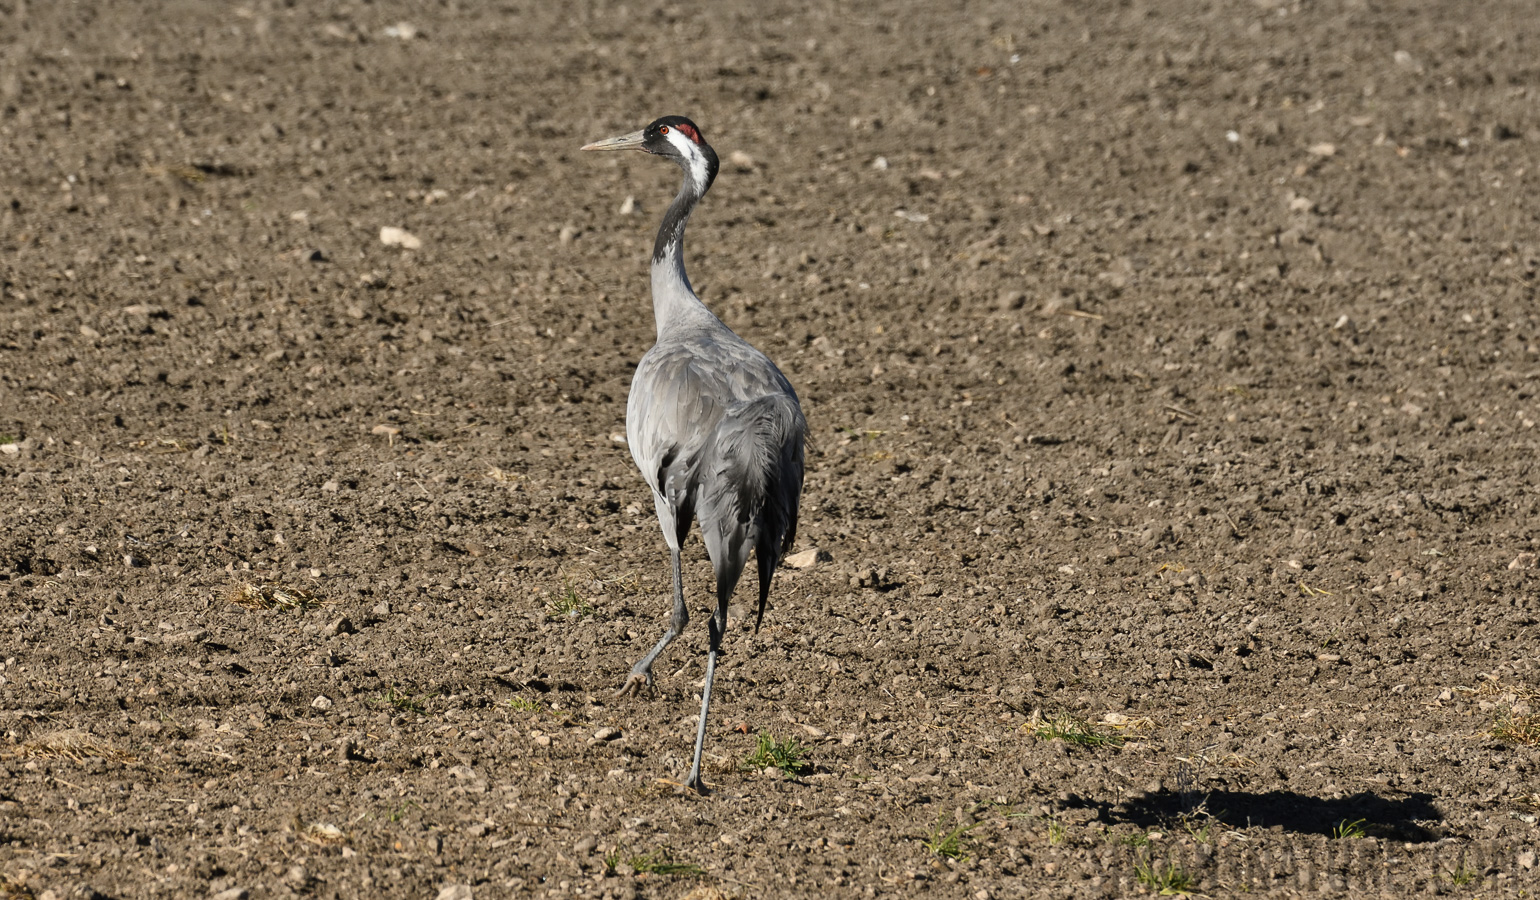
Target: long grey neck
(674, 303)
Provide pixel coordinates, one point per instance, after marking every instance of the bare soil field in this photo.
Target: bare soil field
(1171, 510)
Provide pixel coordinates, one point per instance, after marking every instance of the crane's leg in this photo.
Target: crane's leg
(717, 624)
(641, 673)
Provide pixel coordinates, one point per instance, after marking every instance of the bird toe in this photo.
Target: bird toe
(635, 685)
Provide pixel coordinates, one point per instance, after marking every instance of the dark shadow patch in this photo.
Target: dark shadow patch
(1411, 818)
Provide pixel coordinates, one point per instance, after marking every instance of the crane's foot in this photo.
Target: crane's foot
(697, 784)
(636, 684)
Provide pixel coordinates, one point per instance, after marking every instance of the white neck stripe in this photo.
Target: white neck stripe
(695, 161)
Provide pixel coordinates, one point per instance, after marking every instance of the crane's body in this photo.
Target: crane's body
(712, 424)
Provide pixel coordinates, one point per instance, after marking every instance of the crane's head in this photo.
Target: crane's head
(676, 138)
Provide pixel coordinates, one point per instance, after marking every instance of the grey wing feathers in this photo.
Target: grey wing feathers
(755, 450)
(750, 479)
(677, 396)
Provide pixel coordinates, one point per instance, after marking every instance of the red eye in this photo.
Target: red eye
(663, 130)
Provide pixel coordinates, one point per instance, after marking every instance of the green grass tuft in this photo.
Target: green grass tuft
(1349, 828)
(786, 756)
(1516, 729)
(569, 604)
(658, 862)
(1075, 730)
(950, 843)
(402, 700)
(1164, 878)
(1200, 833)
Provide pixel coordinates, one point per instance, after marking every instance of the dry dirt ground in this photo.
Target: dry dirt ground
(1171, 369)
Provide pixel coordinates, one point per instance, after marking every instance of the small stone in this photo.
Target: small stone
(1227, 339)
(455, 892)
(567, 234)
(586, 845)
(1323, 149)
(628, 206)
(741, 160)
(803, 559)
(386, 430)
(391, 236)
(235, 893)
(607, 733)
(321, 702)
(331, 487)
(462, 772)
(1526, 859)
(382, 608)
(10, 449)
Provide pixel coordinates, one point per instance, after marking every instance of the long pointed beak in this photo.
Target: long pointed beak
(632, 141)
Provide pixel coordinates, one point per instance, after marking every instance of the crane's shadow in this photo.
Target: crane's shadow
(1411, 818)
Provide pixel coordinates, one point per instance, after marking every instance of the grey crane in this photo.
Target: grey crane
(713, 425)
